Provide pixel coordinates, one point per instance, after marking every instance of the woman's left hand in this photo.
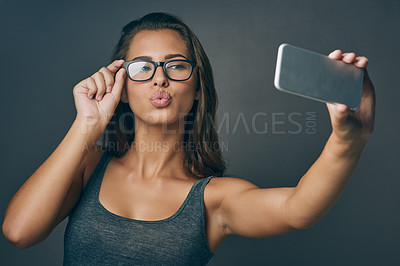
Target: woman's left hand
(355, 125)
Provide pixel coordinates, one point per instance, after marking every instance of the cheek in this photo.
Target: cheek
(189, 91)
(187, 96)
(184, 103)
(137, 98)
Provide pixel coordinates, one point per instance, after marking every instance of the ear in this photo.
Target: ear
(124, 95)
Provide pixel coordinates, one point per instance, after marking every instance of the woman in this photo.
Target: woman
(149, 196)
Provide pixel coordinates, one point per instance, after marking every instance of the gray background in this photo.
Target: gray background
(47, 47)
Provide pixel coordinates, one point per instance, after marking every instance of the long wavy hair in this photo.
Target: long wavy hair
(203, 155)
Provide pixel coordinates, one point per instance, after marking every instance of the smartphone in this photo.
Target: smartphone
(318, 77)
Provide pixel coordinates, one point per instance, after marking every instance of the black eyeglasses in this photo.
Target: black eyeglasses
(143, 70)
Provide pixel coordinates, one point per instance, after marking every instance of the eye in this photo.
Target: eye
(145, 69)
(177, 66)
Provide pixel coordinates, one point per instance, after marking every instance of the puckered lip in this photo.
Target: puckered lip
(160, 95)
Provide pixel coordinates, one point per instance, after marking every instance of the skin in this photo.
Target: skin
(151, 185)
(158, 125)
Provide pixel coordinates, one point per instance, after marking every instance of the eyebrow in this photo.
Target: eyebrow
(169, 56)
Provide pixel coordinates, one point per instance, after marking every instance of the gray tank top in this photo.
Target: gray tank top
(95, 236)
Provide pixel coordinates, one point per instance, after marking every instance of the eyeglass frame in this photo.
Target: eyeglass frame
(193, 64)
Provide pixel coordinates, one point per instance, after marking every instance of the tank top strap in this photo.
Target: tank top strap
(200, 191)
(202, 184)
(194, 204)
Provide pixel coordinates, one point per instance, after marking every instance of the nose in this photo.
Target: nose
(159, 78)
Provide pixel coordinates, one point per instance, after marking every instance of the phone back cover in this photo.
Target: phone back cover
(316, 76)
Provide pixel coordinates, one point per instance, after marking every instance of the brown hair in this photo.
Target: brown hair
(202, 150)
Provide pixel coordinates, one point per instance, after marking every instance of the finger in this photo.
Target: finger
(337, 54)
(108, 77)
(341, 108)
(119, 84)
(101, 85)
(92, 87)
(361, 61)
(349, 57)
(338, 112)
(114, 66)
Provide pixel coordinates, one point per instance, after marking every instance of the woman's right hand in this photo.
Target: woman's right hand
(97, 96)
(51, 193)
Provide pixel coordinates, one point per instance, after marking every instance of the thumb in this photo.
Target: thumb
(338, 113)
(341, 109)
(119, 84)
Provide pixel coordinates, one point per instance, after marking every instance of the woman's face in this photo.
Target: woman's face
(160, 46)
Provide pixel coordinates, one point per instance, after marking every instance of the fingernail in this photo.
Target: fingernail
(90, 96)
(99, 97)
(108, 89)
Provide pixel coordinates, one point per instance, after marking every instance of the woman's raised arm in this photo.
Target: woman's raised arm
(247, 210)
(52, 191)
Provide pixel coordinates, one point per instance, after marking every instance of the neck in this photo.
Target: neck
(156, 152)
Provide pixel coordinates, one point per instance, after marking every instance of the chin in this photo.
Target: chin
(160, 117)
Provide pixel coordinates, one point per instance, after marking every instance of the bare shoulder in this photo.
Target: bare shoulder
(224, 184)
(221, 187)
(232, 182)
(90, 162)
